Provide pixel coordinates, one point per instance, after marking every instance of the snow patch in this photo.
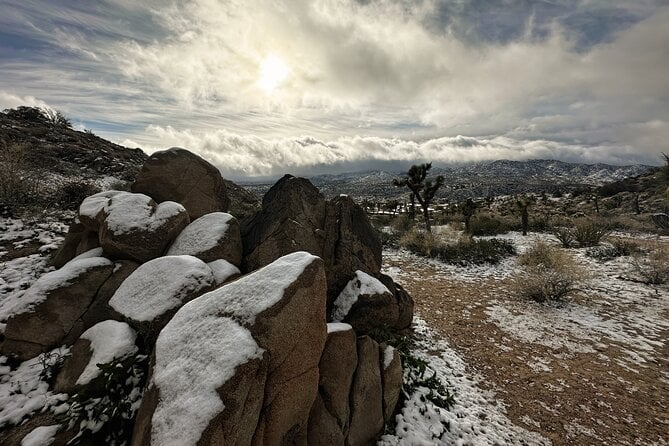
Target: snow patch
(41, 436)
(109, 340)
(334, 327)
(201, 235)
(361, 284)
(388, 355)
(223, 270)
(37, 293)
(252, 294)
(160, 285)
(196, 353)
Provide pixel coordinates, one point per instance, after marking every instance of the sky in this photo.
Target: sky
(265, 87)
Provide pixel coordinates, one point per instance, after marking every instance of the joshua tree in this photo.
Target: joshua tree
(468, 210)
(523, 204)
(421, 188)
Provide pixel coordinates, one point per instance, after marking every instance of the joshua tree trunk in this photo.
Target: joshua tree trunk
(525, 219)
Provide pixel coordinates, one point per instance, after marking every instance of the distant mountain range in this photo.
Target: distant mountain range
(501, 177)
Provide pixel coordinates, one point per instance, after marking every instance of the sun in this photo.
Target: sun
(273, 72)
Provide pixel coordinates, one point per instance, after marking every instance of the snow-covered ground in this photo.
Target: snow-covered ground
(592, 369)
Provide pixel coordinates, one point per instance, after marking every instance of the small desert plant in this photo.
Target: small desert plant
(476, 252)
(549, 273)
(110, 417)
(653, 268)
(616, 248)
(485, 224)
(565, 236)
(19, 184)
(589, 233)
(419, 242)
(51, 363)
(71, 194)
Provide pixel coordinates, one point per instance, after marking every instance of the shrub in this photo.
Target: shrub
(476, 252)
(549, 273)
(617, 248)
(419, 242)
(71, 194)
(654, 268)
(589, 233)
(487, 225)
(565, 236)
(19, 185)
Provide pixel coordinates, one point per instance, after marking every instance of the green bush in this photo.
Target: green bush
(565, 236)
(71, 194)
(617, 248)
(589, 233)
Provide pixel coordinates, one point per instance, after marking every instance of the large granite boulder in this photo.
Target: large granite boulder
(366, 304)
(49, 313)
(78, 240)
(211, 237)
(291, 219)
(180, 175)
(329, 419)
(366, 395)
(239, 365)
(243, 203)
(351, 244)
(100, 344)
(391, 378)
(149, 297)
(403, 299)
(133, 226)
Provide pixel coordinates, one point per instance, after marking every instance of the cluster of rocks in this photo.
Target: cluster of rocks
(259, 332)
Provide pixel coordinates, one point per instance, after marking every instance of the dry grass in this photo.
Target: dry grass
(654, 267)
(549, 273)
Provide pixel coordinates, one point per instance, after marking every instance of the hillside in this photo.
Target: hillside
(502, 177)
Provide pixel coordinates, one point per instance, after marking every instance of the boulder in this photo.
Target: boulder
(100, 344)
(366, 304)
(180, 175)
(91, 210)
(243, 203)
(240, 361)
(330, 415)
(404, 301)
(211, 237)
(49, 313)
(224, 271)
(149, 297)
(366, 395)
(391, 379)
(351, 244)
(68, 250)
(135, 228)
(291, 219)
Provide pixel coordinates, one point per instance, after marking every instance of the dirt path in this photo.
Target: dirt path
(557, 369)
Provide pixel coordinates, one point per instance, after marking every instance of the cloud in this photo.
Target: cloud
(368, 81)
(243, 156)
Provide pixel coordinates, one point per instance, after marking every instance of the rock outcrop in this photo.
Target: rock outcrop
(211, 237)
(50, 311)
(179, 175)
(266, 328)
(291, 219)
(366, 395)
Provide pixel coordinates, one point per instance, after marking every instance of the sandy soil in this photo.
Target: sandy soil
(594, 370)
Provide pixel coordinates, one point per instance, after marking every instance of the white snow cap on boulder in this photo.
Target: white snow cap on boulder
(127, 212)
(361, 284)
(223, 270)
(68, 274)
(199, 349)
(109, 340)
(202, 235)
(160, 285)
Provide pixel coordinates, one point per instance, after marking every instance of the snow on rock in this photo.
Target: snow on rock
(361, 284)
(203, 235)
(22, 391)
(95, 252)
(109, 340)
(223, 270)
(161, 285)
(92, 207)
(41, 436)
(334, 327)
(252, 294)
(38, 292)
(127, 212)
(196, 353)
(388, 355)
